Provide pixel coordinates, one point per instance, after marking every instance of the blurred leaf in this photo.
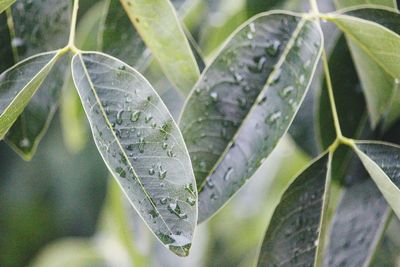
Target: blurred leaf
(4, 4)
(358, 225)
(373, 39)
(77, 252)
(119, 38)
(141, 145)
(380, 160)
(36, 29)
(158, 25)
(18, 84)
(295, 233)
(246, 100)
(351, 3)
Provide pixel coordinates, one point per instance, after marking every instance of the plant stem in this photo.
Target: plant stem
(314, 6)
(331, 96)
(71, 42)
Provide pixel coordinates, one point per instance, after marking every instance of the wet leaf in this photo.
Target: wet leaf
(351, 3)
(357, 226)
(246, 100)
(36, 29)
(158, 25)
(381, 161)
(141, 145)
(374, 40)
(294, 235)
(18, 84)
(4, 4)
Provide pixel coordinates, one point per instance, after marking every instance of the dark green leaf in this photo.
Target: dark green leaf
(18, 84)
(294, 235)
(38, 26)
(357, 227)
(160, 28)
(246, 100)
(381, 161)
(141, 145)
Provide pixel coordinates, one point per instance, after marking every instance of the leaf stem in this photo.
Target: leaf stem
(71, 41)
(314, 6)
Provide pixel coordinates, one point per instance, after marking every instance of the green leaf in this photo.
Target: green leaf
(31, 36)
(351, 3)
(246, 100)
(373, 36)
(141, 145)
(160, 29)
(381, 161)
(4, 4)
(6, 52)
(18, 84)
(119, 38)
(294, 235)
(357, 226)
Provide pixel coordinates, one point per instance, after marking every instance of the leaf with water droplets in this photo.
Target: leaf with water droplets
(4, 4)
(36, 29)
(246, 100)
(381, 160)
(374, 40)
(159, 26)
(351, 3)
(294, 235)
(121, 107)
(19, 83)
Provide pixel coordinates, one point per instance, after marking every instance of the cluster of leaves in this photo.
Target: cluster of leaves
(237, 110)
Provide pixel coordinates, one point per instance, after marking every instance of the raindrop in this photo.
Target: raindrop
(163, 201)
(273, 118)
(175, 209)
(209, 183)
(272, 48)
(141, 144)
(164, 145)
(162, 173)
(191, 201)
(24, 143)
(214, 96)
(262, 100)
(170, 153)
(135, 116)
(151, 171)
(148, 118)
(119, 117)
(285, 92)
(242, 102)
(276, 75)
(228, 173)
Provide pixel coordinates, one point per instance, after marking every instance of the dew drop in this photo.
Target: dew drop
(273, 48)
(135, 116)
(273, 118)
(228, 173)
(24, 143)
(151, 171)
(214, 96)
(119, 117)
(285, 92)
(163, 201)
(141, 144)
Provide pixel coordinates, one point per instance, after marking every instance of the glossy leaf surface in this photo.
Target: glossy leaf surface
(246, 100)
(159, 26)
(18, 84)
(381, 162)
(38, 26)
(294, 234)
(141, 145)
(373, 36)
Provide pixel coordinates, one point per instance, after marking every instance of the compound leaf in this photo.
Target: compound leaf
(159, 26)
(246, 100)
(381, 161)
(294, 234)
(141, 146)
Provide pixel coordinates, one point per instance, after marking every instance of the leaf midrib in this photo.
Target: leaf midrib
(288, 47)
(120, 146)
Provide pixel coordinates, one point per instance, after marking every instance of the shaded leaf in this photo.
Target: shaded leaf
(246, 100)
(373, 36)
(294, 235)
(38, 26)
(158, 25)
(141, 145)
(4, 4)
(6, 53)
(381, 161)
(18, 84)
(357, 226)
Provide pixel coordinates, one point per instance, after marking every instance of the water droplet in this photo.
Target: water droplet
(163, 201)
(24, 143)
(273, 48)
(285, 92)
(164, 145)
(121, 172)
(228, 173)
(276, 75)
(197, 90)
(302, 79)
(273, 118)
(175, 209)
(162, 173)
(214, 96)
(141, 144)
(122, 67)
(135, 116)
(148, 118)
(238, 77)
(262, 100)
(242, 102)
(119, 117)
(209, 183)
(151, 171)
(170, 153)
(252, 27)
(191, 201)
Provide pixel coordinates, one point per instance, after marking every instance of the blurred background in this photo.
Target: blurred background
(63, 209)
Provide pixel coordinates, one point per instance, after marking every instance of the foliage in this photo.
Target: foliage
(133, 63)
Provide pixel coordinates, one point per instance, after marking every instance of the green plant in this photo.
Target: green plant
(235, 113)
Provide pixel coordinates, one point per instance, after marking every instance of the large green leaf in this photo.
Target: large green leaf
(381, 161)
(160, 29)
(141, 145)
(246, 100)
(36, 29)
(373, 36)
(357, 226)
(4, 4)
(18, 84)
(351, 3)
(294, 235)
